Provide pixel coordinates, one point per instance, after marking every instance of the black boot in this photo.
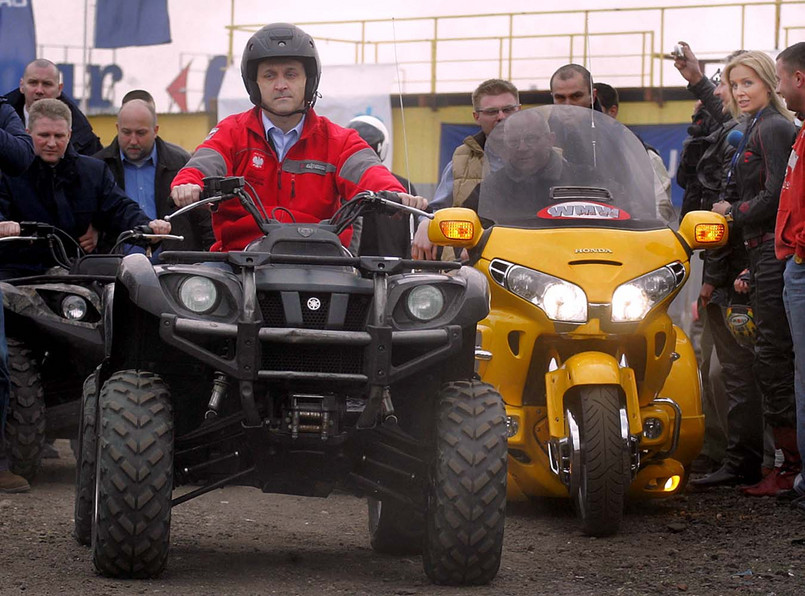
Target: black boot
(724, 476)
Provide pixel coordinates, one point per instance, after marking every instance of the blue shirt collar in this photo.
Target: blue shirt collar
(268, 125)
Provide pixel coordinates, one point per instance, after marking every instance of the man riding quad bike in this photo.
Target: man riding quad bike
(295, 368)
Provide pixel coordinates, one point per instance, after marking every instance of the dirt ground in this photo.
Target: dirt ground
(240, 541)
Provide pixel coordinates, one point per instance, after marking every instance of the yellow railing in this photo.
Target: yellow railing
(435, 54)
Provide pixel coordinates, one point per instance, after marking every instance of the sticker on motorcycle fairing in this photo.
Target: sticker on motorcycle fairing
(582, 210)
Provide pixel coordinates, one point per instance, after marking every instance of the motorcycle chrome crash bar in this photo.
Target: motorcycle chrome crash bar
(677, 426)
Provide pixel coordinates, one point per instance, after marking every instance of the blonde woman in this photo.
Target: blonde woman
(755, 178)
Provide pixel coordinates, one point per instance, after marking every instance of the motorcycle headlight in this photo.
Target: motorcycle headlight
(425, 302)
(198, 294)
(74, 307)
(559, 299)
(634, 299)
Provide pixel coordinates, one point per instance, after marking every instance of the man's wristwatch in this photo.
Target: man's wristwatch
(728, 213)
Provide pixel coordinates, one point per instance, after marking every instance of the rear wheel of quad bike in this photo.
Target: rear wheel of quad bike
(25, 418)
(395, 529)
(85, 463)
(467, 489)
(600, 461)
(134, 484)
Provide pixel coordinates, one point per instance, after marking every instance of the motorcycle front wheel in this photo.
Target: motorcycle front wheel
(600, 464)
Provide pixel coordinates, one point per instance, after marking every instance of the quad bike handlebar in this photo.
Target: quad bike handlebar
(222, 188)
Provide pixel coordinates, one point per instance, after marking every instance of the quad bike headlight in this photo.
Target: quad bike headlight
(74, 307)
(560, 299)
(198, 294)
(633, 300)
(425, 302)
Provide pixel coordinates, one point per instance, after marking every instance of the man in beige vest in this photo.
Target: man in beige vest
(492, 102)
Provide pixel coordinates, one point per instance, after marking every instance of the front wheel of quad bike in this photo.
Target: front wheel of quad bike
(600, 465)
(394, 529)
(134, 484)
(25, 418)
(85, 463)
(467, 489)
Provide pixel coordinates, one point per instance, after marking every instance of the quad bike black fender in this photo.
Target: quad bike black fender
(137, 294)
(138, 277)
(25, 308)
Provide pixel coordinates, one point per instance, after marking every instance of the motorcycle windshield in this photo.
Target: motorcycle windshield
(566, 166)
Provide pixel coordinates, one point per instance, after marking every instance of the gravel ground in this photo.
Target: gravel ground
(239, 541)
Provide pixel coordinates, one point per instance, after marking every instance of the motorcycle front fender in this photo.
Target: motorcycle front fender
(589, 368)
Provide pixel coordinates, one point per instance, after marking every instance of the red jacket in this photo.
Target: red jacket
(327, 164)
(790, 230)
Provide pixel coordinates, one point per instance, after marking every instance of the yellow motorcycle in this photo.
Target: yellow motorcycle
(602, 390)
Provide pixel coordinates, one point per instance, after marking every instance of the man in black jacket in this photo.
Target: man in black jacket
(144, 166)
(42, 80)
(16, 153)
(65, 189)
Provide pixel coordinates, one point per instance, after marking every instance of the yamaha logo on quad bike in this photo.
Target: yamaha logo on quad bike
(313, 303)
(305, 232)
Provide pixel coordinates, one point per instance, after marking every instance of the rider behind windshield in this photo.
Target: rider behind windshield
(565, 165)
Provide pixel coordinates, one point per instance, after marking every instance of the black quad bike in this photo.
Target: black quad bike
(54, 328)
(296, 368)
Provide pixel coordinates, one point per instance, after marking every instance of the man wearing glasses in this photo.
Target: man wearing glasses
(492, 102)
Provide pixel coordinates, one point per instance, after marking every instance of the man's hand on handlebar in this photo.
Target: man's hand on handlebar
(9, 228)
(159, 226)
(185, 194)
(414, 201)
(89, 240)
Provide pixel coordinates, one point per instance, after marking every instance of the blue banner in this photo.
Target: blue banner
(123, 23)
(17, 42)
(667, 140)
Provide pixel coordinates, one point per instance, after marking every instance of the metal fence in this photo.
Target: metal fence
(439, 55)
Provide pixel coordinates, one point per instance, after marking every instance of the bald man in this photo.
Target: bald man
(144, 165)
(42, 80)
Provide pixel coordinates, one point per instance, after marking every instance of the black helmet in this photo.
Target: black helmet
(281, 40)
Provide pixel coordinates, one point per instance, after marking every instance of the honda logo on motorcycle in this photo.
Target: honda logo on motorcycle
(313, 303)
(586, 251)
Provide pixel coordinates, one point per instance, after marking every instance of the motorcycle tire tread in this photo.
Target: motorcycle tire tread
(467, 501)
(25, 417)
(131, 535)
(85, 464)
(605, 464)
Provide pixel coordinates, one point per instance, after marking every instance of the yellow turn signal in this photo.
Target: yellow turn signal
(457, 230)
(708, 233)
